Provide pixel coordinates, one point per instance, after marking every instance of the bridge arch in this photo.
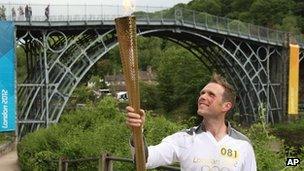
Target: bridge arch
(226, 61)
(243, 62)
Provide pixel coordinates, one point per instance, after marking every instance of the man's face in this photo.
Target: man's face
(210, 102)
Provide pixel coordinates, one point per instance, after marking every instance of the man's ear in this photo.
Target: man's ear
(227, 106)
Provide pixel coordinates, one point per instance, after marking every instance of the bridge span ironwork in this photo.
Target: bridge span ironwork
(61, 50)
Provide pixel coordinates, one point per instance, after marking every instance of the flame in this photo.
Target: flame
(128, 6)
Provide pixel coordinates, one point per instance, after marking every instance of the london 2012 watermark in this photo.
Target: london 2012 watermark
(4, 112)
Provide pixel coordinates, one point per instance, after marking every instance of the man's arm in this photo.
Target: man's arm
(249, 160)
(162, 154)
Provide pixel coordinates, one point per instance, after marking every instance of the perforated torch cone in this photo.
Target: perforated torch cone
(126, 34)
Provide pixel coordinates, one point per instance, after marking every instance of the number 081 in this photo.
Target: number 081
(228, 152)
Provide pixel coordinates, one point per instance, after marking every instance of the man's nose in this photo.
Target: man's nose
(201, 97)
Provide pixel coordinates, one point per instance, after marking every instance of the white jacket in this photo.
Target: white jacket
(198, 150)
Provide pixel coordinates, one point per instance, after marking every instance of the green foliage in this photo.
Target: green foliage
(240, 10)
(290, 24)
(270, 12)
(38, 145)
(149, 96)
(297, 126)
(98, 82)
(149, 52)
(90, 131)
(6, 137)
(241, 5)
(268, 149)
(87, 132)
(279, 14)
(293, 152)
(180, 77)
(21, 64)
(82, 94)
(93, 130)
(238, 27)
(209, 6)
(156, 128)
(292, 133)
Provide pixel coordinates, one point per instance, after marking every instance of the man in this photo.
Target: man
(3, 16)
(30, 13)
(21, 12)
(213, 145)
(26, 10)
(13, 14)
(47, 12)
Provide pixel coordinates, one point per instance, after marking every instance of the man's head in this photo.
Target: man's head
(216, 98)
(229, 93)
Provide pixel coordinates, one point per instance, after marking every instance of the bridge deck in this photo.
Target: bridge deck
(104, 15)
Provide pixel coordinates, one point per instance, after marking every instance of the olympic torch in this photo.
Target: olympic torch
(126, 34)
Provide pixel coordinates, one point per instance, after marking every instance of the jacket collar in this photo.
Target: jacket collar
(201, 128)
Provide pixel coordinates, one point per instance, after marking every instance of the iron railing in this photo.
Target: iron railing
(212, 23)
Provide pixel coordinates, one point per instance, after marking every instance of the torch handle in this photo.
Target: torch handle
(126, 35)
(139, 150)
(140, 158)
(134, 101)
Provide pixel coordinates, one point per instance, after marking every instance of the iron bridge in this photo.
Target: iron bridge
(61, 50)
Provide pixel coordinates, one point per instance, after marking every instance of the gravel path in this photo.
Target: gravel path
(9, 162)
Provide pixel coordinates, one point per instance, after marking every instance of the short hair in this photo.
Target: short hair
(229, 92)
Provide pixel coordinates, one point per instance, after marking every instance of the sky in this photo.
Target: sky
(163, 3)
(107, 8)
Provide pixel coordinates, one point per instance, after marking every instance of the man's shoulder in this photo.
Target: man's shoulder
(182, 138)
(189, 131)
(233, 133)
(184, 133)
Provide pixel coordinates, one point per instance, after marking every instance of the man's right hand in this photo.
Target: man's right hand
(134, 119)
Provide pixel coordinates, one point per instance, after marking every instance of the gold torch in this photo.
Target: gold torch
(126, 34)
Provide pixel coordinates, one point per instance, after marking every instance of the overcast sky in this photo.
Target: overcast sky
(108, 9)
(164, 3)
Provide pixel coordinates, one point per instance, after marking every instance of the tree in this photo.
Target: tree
(149, 96)
(299, 12)
(240, 10)
(149, 51)
(270, 12)
(21, 64)
(97, 81)
(86, 133)
(210, 6)
(180, 76)
(226, 6)
(290, 24)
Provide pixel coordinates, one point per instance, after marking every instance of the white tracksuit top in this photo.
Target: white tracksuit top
(198, 150)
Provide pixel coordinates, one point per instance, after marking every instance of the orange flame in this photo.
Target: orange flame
(128, 6)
